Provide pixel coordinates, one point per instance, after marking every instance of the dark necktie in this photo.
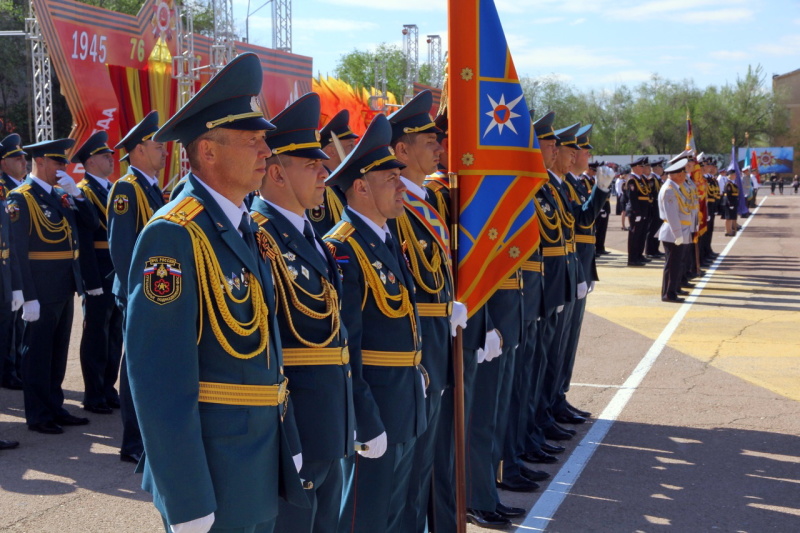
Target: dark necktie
(247, 233)
(308, 233)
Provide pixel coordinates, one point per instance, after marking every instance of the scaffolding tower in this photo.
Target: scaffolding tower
(185, 67)
(282, 25)
(377, 100)
(411, 53)
(435, 60)
(42, 80)
(222, 46)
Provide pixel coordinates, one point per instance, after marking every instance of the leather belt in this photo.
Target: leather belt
(532, 266)
(585, 239)
(554, 251)
(434, 309)
(101, 245)
(571, 247)
(253, 395)
(52, 256)
(645, 198)
(316, 356)
(378, 358)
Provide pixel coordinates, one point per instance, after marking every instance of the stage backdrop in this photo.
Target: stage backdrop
(116, 68)
(775, 159)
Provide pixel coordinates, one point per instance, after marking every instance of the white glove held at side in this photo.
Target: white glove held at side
(458, 317)
(583, 290)
(298, 461)
(481, 355)
(95, 292)
(591, 286)
(17, 299)
(66, 182)
(199, 525)
(30, 311)
(604, 177)
(678, 241)
(377, 447)
(494, 345)
(559, 308)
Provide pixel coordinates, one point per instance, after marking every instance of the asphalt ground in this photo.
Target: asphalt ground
(696, 406)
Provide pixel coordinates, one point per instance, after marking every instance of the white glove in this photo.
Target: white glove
(604, 176)
(583, 290)
(559, 308)
(494, 345)
(298, 461)
(66, 182)
(458, 317)
(424, 392)
(638, 219)
(678, 241)
(16, 300)
(591, 286)
(481, 355)
(95, 292)
(377, 447)
(199, 525)
(30, 311)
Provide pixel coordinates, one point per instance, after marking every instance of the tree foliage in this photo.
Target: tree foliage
(358, 68)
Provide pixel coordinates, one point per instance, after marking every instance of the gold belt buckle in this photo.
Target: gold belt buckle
(345, 355)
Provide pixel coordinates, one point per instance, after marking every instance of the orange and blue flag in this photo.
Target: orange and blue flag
(493, 150)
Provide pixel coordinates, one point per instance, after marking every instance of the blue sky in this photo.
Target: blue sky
(588, 43)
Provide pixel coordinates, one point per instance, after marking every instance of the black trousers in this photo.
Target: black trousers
(654, 224)
(601, 228)
(637, 236)
(45, 346)
(673, 267)
(131, 435)
(10, 334)
(101, 347)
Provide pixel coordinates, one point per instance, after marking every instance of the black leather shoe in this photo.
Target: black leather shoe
(579, 412)
(509, 512)
(552, 448)
(518, 484)
(675, 300)
(565, 430)
(533, 475)
(538, 457)
(71, 420)
(688, 285)
(636, 263)
(8, 444)
(130, 458)
(552, 433)
(487, 519)
(48, 428)
(98, 409)
(568, 417)
(112, 403)
(644, 259)
(13, 383)
(682, 292)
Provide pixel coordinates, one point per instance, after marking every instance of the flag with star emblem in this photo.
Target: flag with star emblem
(493, 150)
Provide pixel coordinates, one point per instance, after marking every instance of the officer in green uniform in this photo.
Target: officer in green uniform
(425, 238)
(131, 203)
(45, 212)
(336, 135)
(307, 282)
(579, 196)
(640, 199)
(101, 342)
(379, 312)
(204, 354)
(11, 297)
(13, 169)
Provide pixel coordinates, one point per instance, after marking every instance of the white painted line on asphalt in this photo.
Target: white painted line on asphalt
(595, 385)
(548, 503)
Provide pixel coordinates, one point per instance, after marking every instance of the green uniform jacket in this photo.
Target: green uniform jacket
(387, 398)
(50, 271)
(203, 457)
(10, 277)
(322, 395)
(126, 218)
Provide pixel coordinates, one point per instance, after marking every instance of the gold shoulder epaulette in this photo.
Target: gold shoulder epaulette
(259, 218)
(434, 185)
(83, 183)
(184, 211)
(22, 188)
(342, 232)
(130, 177)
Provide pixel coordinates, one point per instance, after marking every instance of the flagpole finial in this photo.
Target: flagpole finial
(746, 135)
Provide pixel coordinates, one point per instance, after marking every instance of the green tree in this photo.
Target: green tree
(14, 78)
(358, 68)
